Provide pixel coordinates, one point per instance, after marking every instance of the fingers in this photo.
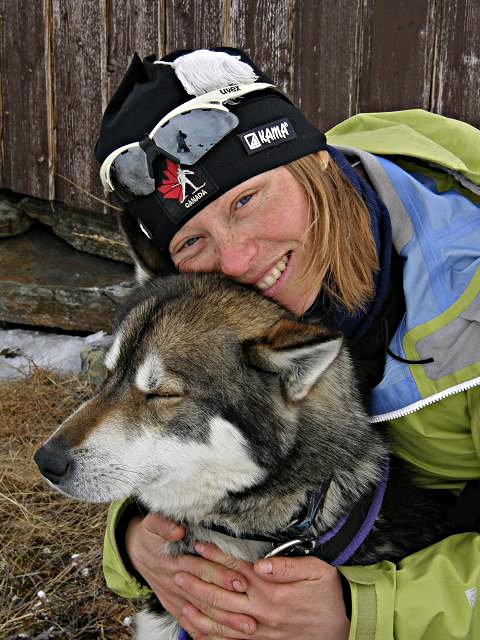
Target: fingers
(223, 624)
(283, 569)
(210, 596)
(213, 573)
(211, 552)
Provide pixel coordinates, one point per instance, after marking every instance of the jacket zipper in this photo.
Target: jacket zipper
(425, 402)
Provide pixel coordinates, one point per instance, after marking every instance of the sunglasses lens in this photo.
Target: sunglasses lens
(186, 138)
(189, 136)
(129, 175)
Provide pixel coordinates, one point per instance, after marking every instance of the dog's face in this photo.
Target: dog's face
(207, 383)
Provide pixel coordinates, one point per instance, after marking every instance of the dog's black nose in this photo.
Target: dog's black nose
(53, 460)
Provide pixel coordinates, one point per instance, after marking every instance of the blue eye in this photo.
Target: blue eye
(191, 241)
(243, 201)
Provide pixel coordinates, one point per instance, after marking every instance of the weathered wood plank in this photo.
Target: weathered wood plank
(194, 24)
(77, 41)
(396, 59)
(326, 59)
(133, 25)
(264, 30)
(23, 69)
(456, 86)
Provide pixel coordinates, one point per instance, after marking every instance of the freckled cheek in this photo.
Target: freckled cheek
(287, 219)
(283, 228)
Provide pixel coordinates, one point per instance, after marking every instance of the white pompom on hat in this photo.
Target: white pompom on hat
(202, 71)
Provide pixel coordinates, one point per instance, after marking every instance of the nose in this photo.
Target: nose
(235, 257)
(54, 461)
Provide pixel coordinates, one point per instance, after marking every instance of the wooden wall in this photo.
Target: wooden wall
(60, 61)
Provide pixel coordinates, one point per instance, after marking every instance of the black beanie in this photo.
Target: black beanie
(272, 132)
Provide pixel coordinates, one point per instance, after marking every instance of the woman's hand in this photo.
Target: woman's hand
(285, 598)
(145, 541)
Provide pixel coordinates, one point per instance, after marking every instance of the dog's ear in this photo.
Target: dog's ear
(299, 353)
(149, 261)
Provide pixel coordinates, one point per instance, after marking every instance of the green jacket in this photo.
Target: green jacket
(431, 594)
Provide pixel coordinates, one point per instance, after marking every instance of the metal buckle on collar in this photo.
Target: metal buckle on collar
(297, 547)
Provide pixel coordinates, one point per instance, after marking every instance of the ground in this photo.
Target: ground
(51, 582)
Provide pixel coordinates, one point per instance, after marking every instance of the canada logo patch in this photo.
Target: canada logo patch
(267, 135)
(182, 189)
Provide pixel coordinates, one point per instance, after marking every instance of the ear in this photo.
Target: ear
(149, 261)
(300, 353)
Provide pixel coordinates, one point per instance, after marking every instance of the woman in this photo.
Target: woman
(386, 251)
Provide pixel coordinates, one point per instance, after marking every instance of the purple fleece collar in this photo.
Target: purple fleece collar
(367, 524)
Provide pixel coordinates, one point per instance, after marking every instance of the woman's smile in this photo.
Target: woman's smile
(273, 277)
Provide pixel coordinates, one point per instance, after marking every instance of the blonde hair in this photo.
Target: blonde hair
(343, 256)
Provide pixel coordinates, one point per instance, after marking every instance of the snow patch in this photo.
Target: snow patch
(20, 348)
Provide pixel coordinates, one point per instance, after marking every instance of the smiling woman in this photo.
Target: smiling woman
(282, 232)
(375, 234)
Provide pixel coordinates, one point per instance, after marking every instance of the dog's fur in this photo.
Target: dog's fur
(221, 408)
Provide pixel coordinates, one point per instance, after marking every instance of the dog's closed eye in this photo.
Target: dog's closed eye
(166, 394)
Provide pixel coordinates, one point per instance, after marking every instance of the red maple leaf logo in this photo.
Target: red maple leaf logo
(170, 186)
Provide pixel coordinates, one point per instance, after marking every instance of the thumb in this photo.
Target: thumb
(163, 527)
(283, 569)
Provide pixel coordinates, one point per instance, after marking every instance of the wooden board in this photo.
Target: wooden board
(396, 61)
(78, 41)
(131, 26)
(263, 29)
(456, 72)
(191, 24)
(25, 126)
(326, 58)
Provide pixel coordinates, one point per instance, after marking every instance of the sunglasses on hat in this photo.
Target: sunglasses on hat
(184, 135)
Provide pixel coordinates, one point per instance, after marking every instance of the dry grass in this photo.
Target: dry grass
(40, 530)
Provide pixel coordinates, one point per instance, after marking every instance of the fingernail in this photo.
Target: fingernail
(200, 547)
(246, 628)
(238, 586)
(173, 532)
(265, 567)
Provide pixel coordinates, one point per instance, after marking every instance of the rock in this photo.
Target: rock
(87, 231)
(93, 370)
(12, 219)
(44, 281)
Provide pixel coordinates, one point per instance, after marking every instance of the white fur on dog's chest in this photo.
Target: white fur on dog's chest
(149, 626)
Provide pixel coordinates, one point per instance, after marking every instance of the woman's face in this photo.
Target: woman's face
(255, 234)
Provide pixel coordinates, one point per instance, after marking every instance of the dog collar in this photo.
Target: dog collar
(335, 546)
(338, 545)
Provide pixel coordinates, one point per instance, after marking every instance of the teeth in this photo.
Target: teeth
(274, 274)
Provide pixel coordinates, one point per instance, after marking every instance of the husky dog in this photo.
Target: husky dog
(224, 412)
